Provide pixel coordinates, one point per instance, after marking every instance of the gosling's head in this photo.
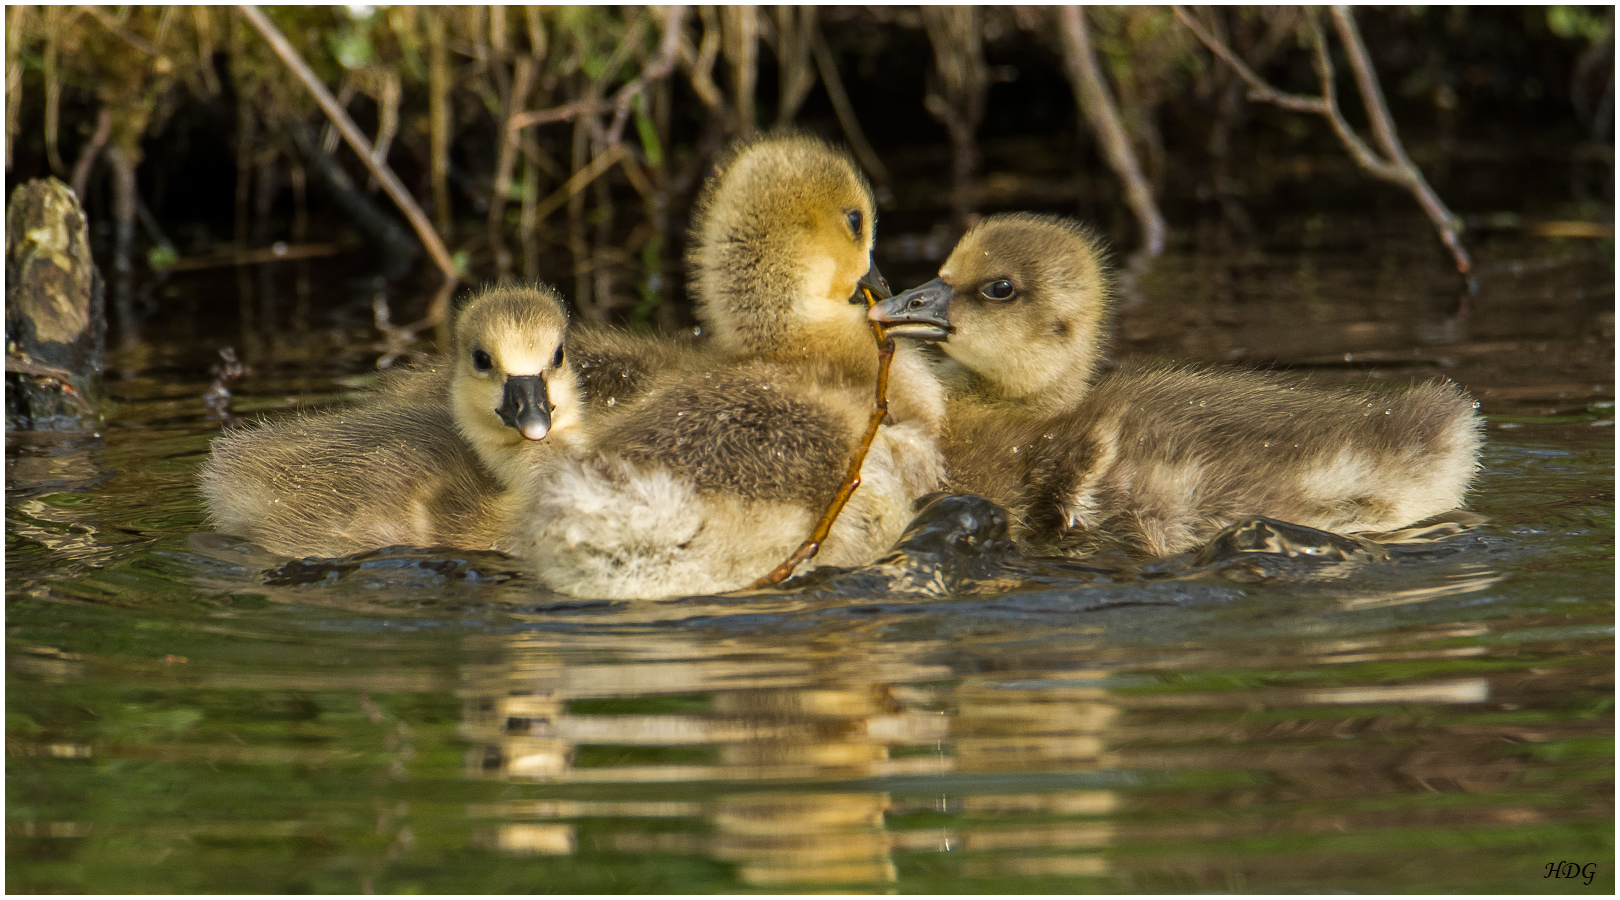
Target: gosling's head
(781, 246)
(1020, 302)
(510, 381)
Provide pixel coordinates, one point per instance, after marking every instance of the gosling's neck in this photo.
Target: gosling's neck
(1027, 381)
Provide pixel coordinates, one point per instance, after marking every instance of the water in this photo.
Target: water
(187, 713)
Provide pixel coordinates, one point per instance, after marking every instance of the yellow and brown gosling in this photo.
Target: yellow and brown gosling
(1156, 458)
(425, 459)
(714, 476)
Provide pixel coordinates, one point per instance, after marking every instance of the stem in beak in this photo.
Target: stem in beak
(922, 313)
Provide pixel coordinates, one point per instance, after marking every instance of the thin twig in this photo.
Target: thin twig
(563, 113)
(1258, 88)
(356, 140)
(1372, 100)
(578, 182)
(1103, 116)
(92, 150)
(1394, 165)
(852, 477)
(275, 253)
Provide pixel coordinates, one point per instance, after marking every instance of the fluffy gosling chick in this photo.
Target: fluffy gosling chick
(713, 477)
(1157, 459)
(423, 460)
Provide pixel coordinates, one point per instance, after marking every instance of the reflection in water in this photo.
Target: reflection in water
(796, 757)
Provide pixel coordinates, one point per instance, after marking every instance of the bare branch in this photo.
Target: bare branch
(1101, 113)
(356, 140)
(1258, 88)
(1394, 165)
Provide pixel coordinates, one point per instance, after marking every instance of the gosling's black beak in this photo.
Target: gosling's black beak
(921, 313)
(873, 282)
(524, 406)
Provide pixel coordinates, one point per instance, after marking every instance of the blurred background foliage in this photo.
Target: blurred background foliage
(566, 143)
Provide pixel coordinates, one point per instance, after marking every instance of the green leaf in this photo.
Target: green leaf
(650, 145)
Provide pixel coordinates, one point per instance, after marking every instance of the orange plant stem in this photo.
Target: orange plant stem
(852, 478)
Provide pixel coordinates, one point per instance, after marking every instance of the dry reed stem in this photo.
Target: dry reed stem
(700, 66)
(1397, 168)
(956, 95)
(506, 161)
(1099, 109)
(53, 88)
(741, 38)
(438, 119)
(356, 140)
(16, 15)
(795, 76)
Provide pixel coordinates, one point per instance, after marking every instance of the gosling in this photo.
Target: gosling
(425, 460)
(714, 476)
(1155, 459)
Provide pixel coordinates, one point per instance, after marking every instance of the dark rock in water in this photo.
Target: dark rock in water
(1260, 548)
(955, 539)
(55, 314)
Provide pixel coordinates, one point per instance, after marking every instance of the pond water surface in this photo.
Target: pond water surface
(187, 713)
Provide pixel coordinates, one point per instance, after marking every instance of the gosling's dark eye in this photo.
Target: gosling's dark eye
(853, 217)
(557, 359)
(481, 361)
(1001, 289)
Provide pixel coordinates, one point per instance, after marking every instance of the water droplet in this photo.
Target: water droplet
(613, 401)
(1388, 411)
(679, 414)
(1202, 403)
(1476, 404)
(1015, 449)
(1049, 435)
(1268, 445)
